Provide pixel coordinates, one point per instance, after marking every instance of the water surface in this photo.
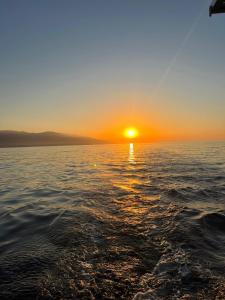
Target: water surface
(113, 222)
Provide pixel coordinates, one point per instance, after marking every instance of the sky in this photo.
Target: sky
(95, 67)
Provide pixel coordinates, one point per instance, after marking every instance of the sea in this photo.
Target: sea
(130, 221)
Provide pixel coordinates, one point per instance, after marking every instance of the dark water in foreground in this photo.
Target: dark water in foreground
(113, 222)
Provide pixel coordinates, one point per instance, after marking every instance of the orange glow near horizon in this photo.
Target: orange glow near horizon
(131, 133)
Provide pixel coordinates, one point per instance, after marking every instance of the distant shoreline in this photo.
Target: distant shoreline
(12, 139)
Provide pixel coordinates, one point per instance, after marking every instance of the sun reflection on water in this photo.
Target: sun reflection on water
(131, 153)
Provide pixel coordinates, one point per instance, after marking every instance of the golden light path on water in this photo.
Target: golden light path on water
(131, 153)
(126, 183)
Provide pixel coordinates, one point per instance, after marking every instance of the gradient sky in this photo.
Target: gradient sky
(94, 67)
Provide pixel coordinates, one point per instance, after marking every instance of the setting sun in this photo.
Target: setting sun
(131, 133)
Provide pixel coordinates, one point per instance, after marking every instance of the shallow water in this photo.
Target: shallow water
(113, 222)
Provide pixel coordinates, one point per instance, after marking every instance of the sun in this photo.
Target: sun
(131, 133)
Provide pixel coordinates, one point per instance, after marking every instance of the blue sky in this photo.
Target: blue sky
(91, 67)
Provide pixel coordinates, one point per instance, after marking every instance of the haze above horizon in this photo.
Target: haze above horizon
(95, 68)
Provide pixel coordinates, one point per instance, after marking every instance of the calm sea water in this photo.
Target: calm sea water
(113, 222)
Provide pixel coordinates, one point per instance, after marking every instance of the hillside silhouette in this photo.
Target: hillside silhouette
(10, 138)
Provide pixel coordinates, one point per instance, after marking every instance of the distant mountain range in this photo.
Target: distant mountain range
(10, 138)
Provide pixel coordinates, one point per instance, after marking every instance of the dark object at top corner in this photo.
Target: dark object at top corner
(217, 7)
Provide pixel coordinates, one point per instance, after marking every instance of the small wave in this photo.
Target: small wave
(190, 194)
(213, 221)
